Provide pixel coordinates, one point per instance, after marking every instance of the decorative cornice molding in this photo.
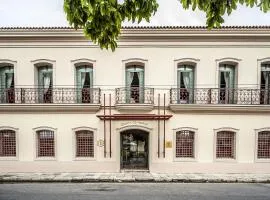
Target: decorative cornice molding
(226, 129)
(130, 60)
(82, 60)
(39, 128)
(8, 61)
(40, 61)
(8, 128)
(228, 59)
(84, 128)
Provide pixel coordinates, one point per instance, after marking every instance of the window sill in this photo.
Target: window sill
(84, 159)
(7, 158)
(262, 160)
(45, 159)
(229, 160)
(185, 159)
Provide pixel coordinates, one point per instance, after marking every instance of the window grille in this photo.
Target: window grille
(84, 144)
(185, 144)
(225, 146)
(45, 143)
(7, 143)
(263, 145)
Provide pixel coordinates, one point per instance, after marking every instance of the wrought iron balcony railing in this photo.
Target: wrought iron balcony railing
(50, 95)
(134, 95)
(219, 96)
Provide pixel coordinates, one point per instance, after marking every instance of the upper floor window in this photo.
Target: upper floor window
(84, 82)
(225, 145)
(185, 83)
(7, 143)
(135, 84)
(185, 144)
(265, 84)
(84, 143)
(263, 145)
(45, 143)
(7, 93)
(45, 83)
(227, 83)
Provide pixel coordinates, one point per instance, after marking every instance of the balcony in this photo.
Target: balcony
(50, 98)
(219, 98)
(134, 98)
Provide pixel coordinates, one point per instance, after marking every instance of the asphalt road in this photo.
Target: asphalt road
(133, 191)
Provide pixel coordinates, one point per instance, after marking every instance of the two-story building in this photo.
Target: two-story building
(169, 99)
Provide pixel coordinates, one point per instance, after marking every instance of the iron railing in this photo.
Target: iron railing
(219, 96)
(50, 95)
(133, 95)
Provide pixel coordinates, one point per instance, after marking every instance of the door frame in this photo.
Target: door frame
(136, 125)
(146, 135)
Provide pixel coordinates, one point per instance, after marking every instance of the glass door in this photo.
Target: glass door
(134, 84)
(134, 149)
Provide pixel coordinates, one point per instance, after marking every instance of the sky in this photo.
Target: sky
(50, 13)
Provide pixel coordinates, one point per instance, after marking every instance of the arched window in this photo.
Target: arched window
(225, 145)
(7, 91)
(84, 82)
(185, 82)
(185, 144)
(135, 83)
(263, 145)
(7, 143)
(84, 143)
(265, 83)
(45, 83)
(45, 141)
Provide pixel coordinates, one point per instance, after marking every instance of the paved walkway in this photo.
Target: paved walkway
(132, 177)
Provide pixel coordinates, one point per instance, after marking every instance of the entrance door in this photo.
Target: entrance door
(134, 149)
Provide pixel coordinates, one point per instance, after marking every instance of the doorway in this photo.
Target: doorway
(134, 149)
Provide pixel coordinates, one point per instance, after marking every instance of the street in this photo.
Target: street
(133, 191)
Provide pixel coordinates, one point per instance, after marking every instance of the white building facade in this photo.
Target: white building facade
(169, 99)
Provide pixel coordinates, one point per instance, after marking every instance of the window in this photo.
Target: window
(134, 84)
(45, 143)
(45, 84)
(265, 84)
(263, 148)
(227, 83)
(84, 143)
(225, 145)
(7, 92)
(7, 143)
(185, 144)
(84, 82)
(185, 83)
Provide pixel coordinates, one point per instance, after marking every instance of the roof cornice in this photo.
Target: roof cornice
(140, 33)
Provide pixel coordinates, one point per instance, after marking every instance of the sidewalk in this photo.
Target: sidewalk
(133, 177)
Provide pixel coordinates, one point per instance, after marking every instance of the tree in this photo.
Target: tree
(101, 20)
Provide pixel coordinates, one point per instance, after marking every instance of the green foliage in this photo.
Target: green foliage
(101, 20)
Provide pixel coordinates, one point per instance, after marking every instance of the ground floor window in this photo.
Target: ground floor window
(263, 148)
(7, 143)
(225, 145)
(84, 143)
(185, 144)
(45, 143)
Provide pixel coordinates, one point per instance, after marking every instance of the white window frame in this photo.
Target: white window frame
(83, 61)
(35, 132)
(196, 145)
(260, 62)
(195, 62)
(74, 143)
(11, 158)
(135, 61)
(257, 131)
(236, 133)
(229, 61)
